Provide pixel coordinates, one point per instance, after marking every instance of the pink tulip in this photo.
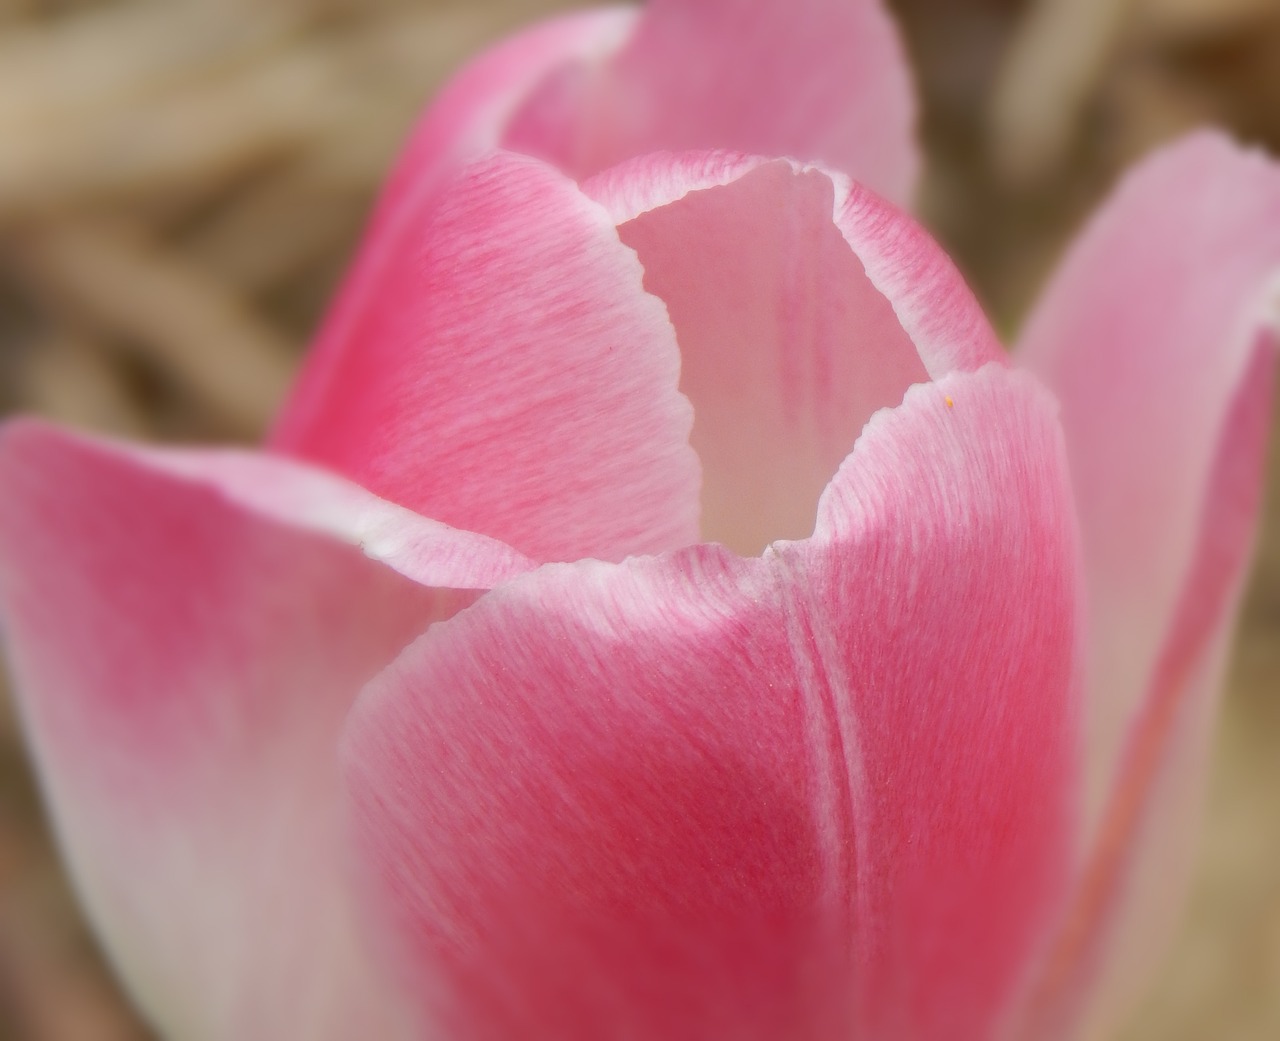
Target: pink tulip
(662, 613)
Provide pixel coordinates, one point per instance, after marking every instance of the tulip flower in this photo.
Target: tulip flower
(663, 610)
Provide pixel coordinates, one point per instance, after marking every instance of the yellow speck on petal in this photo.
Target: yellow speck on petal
(950, 403)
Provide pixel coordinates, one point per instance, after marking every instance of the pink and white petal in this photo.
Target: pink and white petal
(585, 811)
(971, 655)
(1158, 336)
(299, 496)
(821, 794)
(928, 294)
(930, 297)
(1141, 889)
(471, 114)
(1139, 865)
(819, 80)
(186, 634)
(467, 120)
(507, 374)
(775, 275)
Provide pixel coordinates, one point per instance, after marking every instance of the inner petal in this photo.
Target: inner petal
(787, 348)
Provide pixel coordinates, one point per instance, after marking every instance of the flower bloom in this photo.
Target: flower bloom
(662, 610)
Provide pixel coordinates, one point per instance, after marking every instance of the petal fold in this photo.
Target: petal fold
(946, 563)
(820, 794)
(506, 373)
(187, 632)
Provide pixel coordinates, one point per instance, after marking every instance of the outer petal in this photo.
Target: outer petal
(802, 303)
(187, 632)
(821, 80)
(469, 119)
(1158, 336)
(506, 373)
(471, 114)
(824, 80)
(822, 794)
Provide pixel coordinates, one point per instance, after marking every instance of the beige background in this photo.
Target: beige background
(181, 180)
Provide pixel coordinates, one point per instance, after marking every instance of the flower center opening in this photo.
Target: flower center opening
(787, 349)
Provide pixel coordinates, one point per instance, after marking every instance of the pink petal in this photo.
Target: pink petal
(471, 114)
(821, 80)
(820, 794)
(1154, 335)
(802, 303)
(962, 492)
(466, 121)
(1138, 879)
(506, 373)
(187, 632)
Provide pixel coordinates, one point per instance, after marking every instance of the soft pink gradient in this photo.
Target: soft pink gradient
(508, 375)
(819, 80)
(1159, 337)
(447, 718)
(707, 796)
(186, 632)
(796, 297)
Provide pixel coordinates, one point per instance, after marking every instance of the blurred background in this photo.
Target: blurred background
(182, 180)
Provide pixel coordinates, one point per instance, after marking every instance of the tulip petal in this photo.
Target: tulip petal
(820, 794)
(803, 303)
(928, 295)
(819, 80)
(466, 120)
(1158, 336)
(1139, 877)
(470, 116)
(507, 374)
(187, 632)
